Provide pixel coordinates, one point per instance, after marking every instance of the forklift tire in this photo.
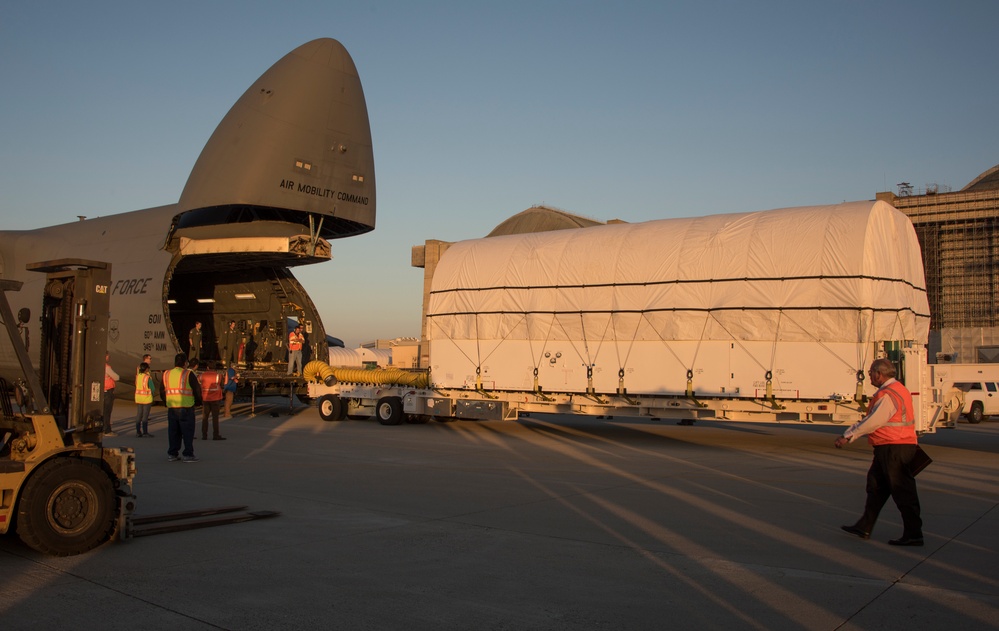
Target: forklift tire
(389, 411)
(331, 408)
(67, 507)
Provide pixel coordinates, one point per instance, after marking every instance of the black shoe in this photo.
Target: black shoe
(853, 530)
(218, 438)
(138, 435)
(147, 434)
(907, 541)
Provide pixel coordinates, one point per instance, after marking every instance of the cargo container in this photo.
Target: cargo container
(770, 316)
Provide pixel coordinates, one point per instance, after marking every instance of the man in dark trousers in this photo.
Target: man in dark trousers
(182, 392)
(211, 394)
(890, 429)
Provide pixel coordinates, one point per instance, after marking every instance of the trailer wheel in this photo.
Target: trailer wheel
(67, 507)
(331, 408)
(389, 411)
(977, 412)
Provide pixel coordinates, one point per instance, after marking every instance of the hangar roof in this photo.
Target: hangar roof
(541, 219)
(988, 181)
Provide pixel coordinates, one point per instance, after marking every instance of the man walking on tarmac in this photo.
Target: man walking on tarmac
(182, 392)
(890, 429)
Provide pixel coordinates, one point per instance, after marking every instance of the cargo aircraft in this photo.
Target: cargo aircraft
(288, 169)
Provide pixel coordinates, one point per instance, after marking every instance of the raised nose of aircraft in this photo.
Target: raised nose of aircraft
(296, 145)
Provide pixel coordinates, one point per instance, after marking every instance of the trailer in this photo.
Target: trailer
(770, 316)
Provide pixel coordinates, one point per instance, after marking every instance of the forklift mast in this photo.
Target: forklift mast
(73, 343)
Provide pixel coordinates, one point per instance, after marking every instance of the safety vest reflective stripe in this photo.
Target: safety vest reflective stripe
(211, 386)
(143, 393)
(901, 427)
(899, 405)
(177, 387)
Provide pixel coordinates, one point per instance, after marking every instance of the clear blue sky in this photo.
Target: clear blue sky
(630, 110)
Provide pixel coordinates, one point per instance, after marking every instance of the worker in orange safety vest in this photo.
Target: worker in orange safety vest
(295, 342)
(211, 393)
(110, 379)
(891, 431)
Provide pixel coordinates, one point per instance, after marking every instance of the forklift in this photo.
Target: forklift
(60, 488)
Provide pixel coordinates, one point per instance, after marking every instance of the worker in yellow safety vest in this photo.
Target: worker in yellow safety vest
(182, 392)
(145, 388)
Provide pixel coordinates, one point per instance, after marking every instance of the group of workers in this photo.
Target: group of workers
(183, 389)
(236, 346)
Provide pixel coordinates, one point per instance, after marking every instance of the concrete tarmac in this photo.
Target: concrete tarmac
(544, 523)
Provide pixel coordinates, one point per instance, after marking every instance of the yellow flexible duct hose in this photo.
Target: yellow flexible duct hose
(377, 376)
(317, 371)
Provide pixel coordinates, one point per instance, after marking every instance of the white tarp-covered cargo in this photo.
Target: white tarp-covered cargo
(799, 295)
(340, 357)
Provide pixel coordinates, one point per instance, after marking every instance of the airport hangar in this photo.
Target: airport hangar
(958, 233)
